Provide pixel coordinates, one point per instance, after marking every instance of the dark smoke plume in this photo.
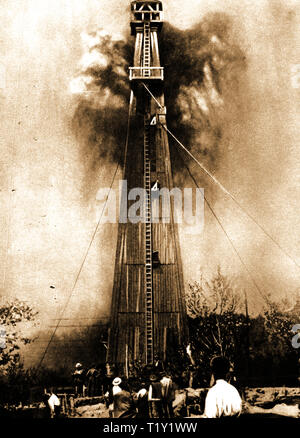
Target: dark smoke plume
(102, 90)
(203, 66)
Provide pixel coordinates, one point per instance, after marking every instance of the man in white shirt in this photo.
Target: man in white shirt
(54, 404)
(223, 399)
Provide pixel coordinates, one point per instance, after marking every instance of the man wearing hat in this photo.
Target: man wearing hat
(78, 378)
(123, 405)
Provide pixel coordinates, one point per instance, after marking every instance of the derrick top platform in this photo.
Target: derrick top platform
(142, 11)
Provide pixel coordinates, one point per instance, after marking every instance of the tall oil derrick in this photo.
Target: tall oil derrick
(148, 310)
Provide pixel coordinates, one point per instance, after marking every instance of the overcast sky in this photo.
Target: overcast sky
(46, 222)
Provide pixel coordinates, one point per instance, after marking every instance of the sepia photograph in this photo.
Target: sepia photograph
(150, 231)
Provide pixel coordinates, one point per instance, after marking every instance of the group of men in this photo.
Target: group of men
(155, 398)
(87, 383)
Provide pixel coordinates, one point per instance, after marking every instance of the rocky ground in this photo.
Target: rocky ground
(189, 403)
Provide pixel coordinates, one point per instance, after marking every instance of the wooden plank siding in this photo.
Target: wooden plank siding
(127, 331)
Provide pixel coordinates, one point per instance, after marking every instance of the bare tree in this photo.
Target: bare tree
(217, 324)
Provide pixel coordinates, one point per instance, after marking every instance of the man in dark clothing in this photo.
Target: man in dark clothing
(91, 380)
(155, 398)
(123, 405)
(142, 404)
(167, 396)
(78, 379)
(100, 380)
(45, 398)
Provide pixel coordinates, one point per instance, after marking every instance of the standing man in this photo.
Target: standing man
(167, 396)
(123, 405)
(54, 404)
(78, 378)
(223, 399)
(142, 404)
(155, 397)
(91, 381)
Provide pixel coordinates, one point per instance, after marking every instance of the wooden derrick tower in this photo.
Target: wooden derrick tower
(148, 310)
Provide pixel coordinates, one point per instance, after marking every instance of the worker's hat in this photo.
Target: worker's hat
(117, 381)
(78, 365)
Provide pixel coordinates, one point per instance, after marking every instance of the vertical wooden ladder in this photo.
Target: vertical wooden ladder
(147, 50)
(148, 246)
